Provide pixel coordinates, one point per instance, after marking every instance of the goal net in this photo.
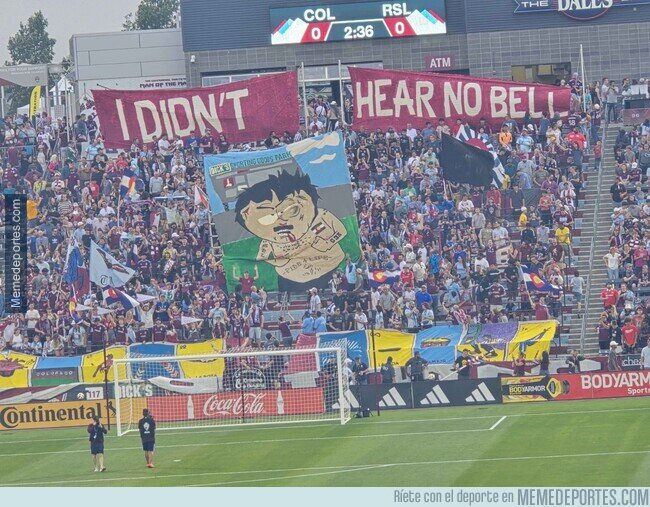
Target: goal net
(232, 388)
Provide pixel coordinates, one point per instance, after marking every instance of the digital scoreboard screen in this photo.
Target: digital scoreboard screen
(364, 20)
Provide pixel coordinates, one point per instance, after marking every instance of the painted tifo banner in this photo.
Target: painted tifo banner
(531, 338)
(285, 215)
(488, 342)
(390, 98)
(144, 370)
(437, 345)
(243, 111)
(93, 365)
(15, 368)
(54, 371)
(356, 343)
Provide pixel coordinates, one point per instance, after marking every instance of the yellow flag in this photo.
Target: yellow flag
(387, 342)
(202, 367)
(93, 365)
(532, 338)
(14, 369)
(35, 101)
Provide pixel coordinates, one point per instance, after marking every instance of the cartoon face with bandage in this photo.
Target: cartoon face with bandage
(279, 209)
(298, 238)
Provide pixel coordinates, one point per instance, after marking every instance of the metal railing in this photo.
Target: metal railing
(583, 330)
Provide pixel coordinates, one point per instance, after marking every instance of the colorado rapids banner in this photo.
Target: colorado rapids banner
(242, 111)
(385, 98)
(286, 216)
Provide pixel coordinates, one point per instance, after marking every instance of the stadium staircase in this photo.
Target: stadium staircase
(595, 244)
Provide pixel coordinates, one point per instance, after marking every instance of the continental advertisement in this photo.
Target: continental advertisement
(579, 386)
(50, 415)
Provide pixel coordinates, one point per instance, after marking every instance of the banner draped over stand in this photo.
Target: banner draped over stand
(390, 98)
(243, 111)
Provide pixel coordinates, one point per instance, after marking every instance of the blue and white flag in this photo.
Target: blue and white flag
(74, 260)
(105, 270)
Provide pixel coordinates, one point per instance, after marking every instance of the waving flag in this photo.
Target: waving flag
(469, 136)
(200, 199)
(380, 277)
(127, 184)
(74, 260)
(537, 283)
(72, 306)
(105, 270)
(112, 296)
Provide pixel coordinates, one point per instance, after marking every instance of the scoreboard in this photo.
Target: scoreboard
(362, 20)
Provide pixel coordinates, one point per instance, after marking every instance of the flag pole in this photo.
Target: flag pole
(521, 273)
(584, 83)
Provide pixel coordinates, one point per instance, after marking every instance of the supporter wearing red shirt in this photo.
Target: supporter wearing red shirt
(630, 333)
(407, 276)
(495, 195)
(577, 138)
(609, 296)
(541, 310)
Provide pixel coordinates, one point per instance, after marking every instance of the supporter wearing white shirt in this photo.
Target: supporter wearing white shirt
(500, 235)
(466, 207)
(481, 264)
(17, 342)
(411, 132)
(164, 146)
(106, 211)
(645, 356)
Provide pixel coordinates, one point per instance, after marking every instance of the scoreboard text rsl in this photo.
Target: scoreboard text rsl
(353, 21)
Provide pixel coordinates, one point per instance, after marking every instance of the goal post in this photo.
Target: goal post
(274, 386)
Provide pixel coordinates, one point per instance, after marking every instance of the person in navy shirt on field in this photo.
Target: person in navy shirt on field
(147, 427)
(97, 431)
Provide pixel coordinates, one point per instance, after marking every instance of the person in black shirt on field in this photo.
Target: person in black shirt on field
(417, 365)
(388, 371)
(97, 431)
(147, 427)
(462, 365)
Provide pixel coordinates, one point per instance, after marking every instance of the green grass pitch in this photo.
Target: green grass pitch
(583, 443)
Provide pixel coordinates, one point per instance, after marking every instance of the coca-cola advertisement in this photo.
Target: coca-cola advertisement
(233, 404)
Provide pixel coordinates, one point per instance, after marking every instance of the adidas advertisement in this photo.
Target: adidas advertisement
(455, 393)
(382, 396)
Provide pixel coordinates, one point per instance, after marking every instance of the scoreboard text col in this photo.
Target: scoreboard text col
(364, 20)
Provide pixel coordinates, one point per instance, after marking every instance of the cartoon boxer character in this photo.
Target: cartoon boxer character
(300, 240)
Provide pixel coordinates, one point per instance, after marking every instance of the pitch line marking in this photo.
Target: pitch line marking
(225, 430)
(243, 442)
(316, 474)
(350, 467)
(498, 422)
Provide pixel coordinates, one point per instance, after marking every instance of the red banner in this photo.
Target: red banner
(389, 98)
(243, 111)
(228, 405)
(616, 384)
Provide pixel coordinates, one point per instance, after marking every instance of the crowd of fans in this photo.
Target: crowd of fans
(625, 318)
(457, 248)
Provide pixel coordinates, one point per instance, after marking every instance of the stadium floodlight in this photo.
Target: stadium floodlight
(275, 386)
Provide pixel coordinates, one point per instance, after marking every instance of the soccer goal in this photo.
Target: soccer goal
(275, 386)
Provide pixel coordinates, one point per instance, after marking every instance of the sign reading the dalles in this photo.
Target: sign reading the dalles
(387, 98)
(576, 9)
(242, 111)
